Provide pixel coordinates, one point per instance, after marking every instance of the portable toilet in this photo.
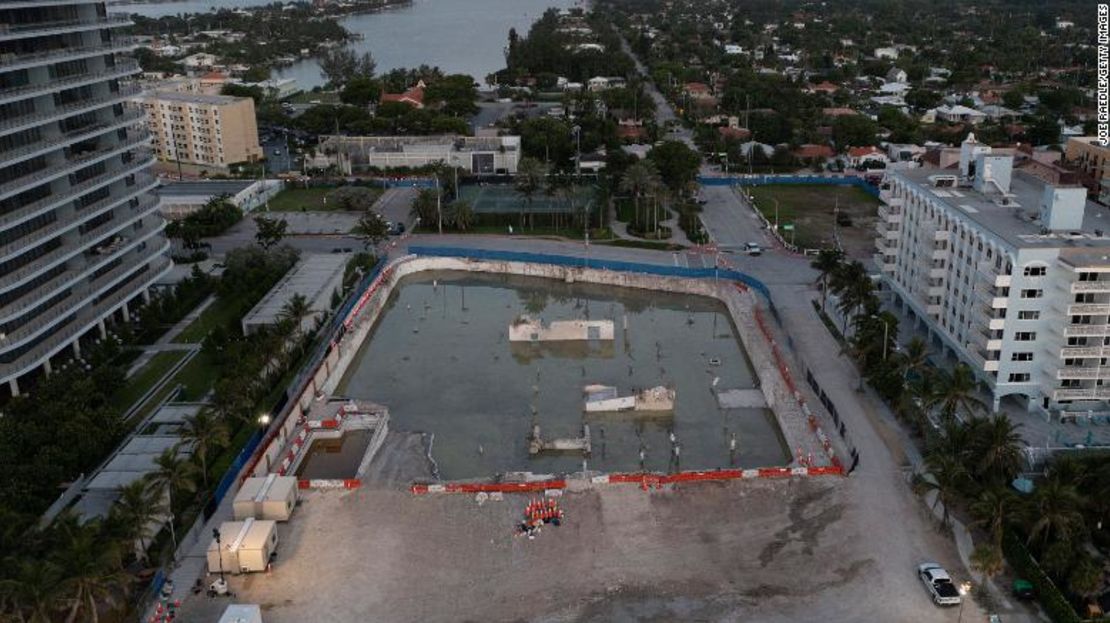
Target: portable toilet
(266, 497)
(242, 613)
(244, 547)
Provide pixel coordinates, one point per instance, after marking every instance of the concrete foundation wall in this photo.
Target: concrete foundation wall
(741, 304)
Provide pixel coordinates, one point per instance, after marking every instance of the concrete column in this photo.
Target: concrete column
(103, 329)
(126, 314)
(47, 368)
(995, 403)
(77, 348)
(13, 385)
(146, 295)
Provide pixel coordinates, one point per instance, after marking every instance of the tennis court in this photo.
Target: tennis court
(506, 200)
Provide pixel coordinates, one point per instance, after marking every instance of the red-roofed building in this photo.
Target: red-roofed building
(730, 133)
(838, 112)
(814, 152)
(697, 89)
(413, 97)
(860, 156)
(824, 87)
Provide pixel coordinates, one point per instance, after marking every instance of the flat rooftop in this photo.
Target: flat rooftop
(1014, 223)
(192, 98)
(314, 277)
(204, 189)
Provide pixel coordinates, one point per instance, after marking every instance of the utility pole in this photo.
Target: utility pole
(439, 205)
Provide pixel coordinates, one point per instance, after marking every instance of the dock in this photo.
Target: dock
(536, 443)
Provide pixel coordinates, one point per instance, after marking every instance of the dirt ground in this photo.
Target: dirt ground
(789, 550)
(812, 209)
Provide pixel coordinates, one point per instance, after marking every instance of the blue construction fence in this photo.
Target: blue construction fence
(770, 180)
(614, 265)
(405, 182)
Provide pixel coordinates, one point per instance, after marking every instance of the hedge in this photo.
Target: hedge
(1055, 604)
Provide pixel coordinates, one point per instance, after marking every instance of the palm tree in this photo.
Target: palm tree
(294, 311)
(1053, 512)
(955, 392)
(371, 229)
(914, 358)
(854, 287)
(92, 570)
(826, 263)
(640, 179)
(204, 432)
(138, 506)
(987, 559)
(997, 446)
(173, 473)
(33, 590)
(994, 510)
(1085, 578)
(946, 478)
(424, 206)
(530, 176)
(462, 215)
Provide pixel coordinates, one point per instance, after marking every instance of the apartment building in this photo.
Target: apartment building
(1008, 273)
(80, 233)
(1087, 155)
(210, 131)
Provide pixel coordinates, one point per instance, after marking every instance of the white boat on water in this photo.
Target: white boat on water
(606, 398)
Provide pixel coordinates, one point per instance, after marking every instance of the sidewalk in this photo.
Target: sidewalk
(166, 342)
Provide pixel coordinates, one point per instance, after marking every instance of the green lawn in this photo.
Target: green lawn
(196, 378)
(219, 313)
(812, 208)
(144, 379)
(306, 199)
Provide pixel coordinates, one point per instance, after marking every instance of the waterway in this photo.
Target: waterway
(459, 36)
(440, 359)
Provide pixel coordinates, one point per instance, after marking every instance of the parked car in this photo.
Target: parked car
(395, 229)
(752, 248)
(939, 584)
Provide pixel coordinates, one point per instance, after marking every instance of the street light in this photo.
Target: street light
(577, 130)
(964, 588)
(886, 333)
(264, 420)
(220, 550)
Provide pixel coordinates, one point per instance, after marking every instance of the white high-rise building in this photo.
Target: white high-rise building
(80, 234)
(1009, 273)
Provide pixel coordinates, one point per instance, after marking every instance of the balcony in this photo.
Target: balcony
(939, 254)
(1092, 393)
(981, 362)
(85, 320)
(933, 309)
(1079, 352)
(32, 209)
(1081, 372)
(889, 214)
(12, 62)
(45, 146)
(885, 263)
(23, 122)
(1089, 309)
(1090, 286)
(989, 298)
(122, 69)
(98, 237)
(49, 174)
(988, 320)
(889, 233)
(938, 273)
(940, 235)
(1087, 330)
(886, 245)
(988, 273)
(79, 297)
(74, 219)
(9, 32)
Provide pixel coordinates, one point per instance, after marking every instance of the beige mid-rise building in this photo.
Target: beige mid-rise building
(202, 130)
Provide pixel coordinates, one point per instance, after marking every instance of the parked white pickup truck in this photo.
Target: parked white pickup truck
(939, 584)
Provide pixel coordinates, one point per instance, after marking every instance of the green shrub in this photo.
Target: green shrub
(1055, 604)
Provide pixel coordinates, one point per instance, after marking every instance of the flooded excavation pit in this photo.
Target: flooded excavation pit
(337, 457)
(507, 373)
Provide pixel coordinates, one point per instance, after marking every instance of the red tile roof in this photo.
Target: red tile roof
(814, 151)
(857, 152)
(413, 97)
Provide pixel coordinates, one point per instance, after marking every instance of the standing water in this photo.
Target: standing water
(440, 359)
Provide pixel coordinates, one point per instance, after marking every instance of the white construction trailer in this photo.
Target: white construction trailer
(266, 497)
(244, 547)
(242, 613)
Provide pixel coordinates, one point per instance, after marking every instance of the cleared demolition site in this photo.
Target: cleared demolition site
(572, 412)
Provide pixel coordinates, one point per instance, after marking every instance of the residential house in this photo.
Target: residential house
(886, 53)
(826, 87)
(896, 74)
(813, 152)
(868, 157)
(413, 96)
(904, 152)
(200, 61)
(959, 114)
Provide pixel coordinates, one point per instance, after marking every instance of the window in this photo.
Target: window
(1021, 357)
(1025, 336)
(1032, 293)
(1035, 271)
(1029, 315)
(1019, 377)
